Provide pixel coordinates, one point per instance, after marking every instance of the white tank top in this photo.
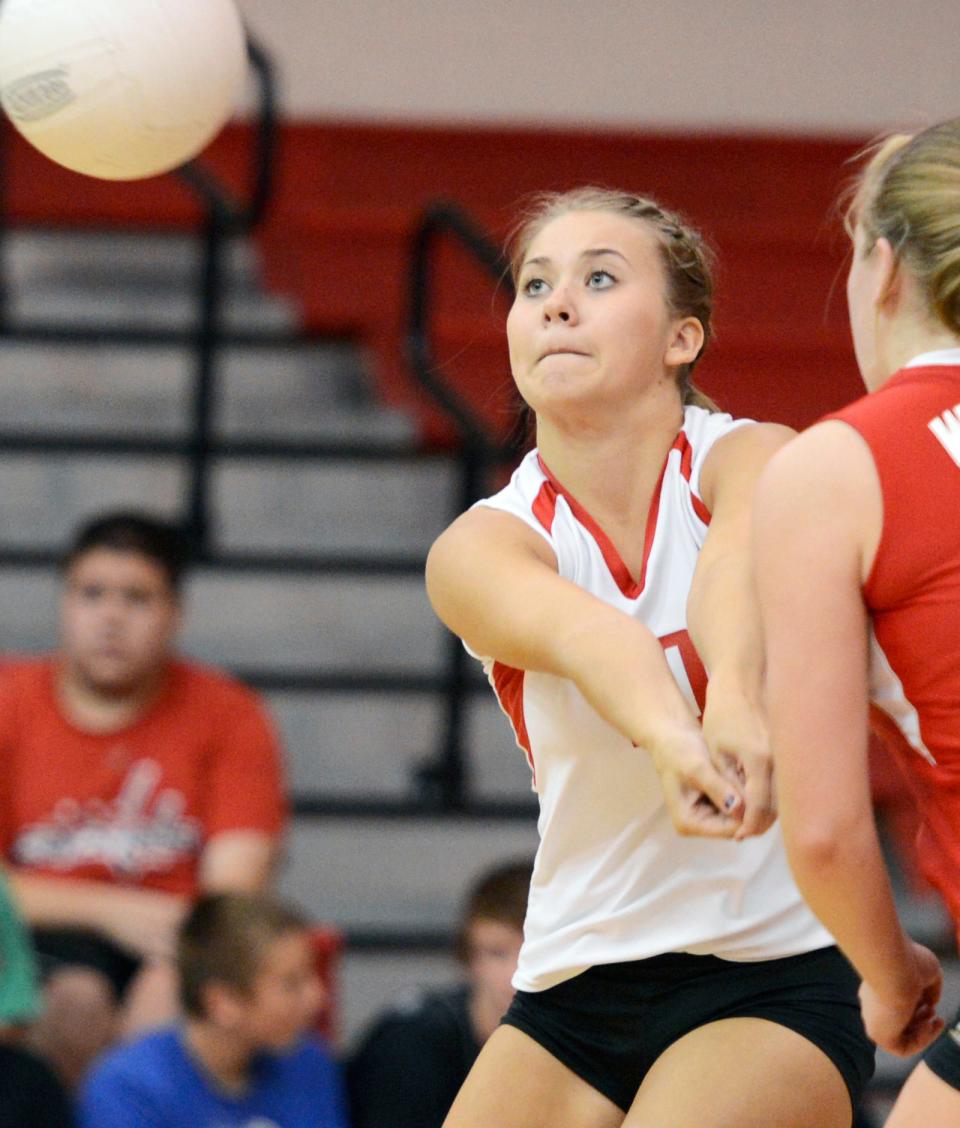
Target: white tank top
(613, 880)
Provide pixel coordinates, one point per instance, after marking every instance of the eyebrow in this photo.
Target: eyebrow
(593, 252)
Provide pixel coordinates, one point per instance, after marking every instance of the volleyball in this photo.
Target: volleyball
(120, 89)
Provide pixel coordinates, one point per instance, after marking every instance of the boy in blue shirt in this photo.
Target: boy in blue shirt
(240, 1058)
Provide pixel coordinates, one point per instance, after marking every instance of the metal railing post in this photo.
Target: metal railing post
(444, 780)
(206, 357)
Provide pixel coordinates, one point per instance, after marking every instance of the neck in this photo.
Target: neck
(97, 709)
(908, 338)
(611, 468)
(219, 1054)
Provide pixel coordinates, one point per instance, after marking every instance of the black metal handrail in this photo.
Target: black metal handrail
(239, 216)
(444, 779)
(440, 220)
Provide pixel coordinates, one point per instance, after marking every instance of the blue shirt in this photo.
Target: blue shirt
(153, 1082)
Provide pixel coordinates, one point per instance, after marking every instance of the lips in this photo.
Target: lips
(562, 352)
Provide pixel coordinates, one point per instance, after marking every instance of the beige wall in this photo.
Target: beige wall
(836, 65)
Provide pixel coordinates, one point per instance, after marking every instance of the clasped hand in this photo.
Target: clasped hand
(718, 780)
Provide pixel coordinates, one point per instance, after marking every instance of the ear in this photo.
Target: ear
(222, 1005)
(685, 342)
(887, 278)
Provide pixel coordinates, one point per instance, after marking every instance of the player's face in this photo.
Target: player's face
(493, 949)
(862, 287)
(590, 322)
(118, 619)
(285, 997)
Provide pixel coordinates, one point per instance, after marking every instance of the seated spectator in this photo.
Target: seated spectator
(132, 780)
(30, 1094)
(249, 991)
(410, 1065)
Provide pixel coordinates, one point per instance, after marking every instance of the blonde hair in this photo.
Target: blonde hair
(909, 194)
(686, 257)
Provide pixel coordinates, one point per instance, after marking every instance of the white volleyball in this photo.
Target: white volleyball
(120, 89)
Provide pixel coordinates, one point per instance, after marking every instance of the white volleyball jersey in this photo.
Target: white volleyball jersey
(613, 880)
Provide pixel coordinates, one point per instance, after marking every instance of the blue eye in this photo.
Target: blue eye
(600, 279)
(533, 287)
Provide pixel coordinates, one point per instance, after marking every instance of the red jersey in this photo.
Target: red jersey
(912, 426)
(135, 806)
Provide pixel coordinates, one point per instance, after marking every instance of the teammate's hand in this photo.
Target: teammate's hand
(699, 799)
(735, 731)
(906, 1026)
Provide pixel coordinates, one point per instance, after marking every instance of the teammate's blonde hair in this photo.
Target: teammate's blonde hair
(909, 194)
(686, 257)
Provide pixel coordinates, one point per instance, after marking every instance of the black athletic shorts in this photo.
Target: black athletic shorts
(943, 1057)
(58, 948)
(610, 1023)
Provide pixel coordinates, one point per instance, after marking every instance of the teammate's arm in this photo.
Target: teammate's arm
(494, 582)
(817, 522)
(724, 624)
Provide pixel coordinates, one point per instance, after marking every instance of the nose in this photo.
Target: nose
(559, 306)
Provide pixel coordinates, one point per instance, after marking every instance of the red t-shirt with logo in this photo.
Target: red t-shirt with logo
(136, 806)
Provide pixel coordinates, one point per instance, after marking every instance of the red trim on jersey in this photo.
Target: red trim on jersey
(545, 506)
(696, 671)
(618, 570)
(686, 469)
(508, 686)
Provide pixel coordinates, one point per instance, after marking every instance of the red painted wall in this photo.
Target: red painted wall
(347, 198)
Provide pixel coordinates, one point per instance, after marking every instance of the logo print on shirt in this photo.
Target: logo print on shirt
(140, 832)
(946, 430)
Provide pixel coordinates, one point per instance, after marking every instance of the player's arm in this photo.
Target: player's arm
(494, 582)
(723, 619)
(817, 521)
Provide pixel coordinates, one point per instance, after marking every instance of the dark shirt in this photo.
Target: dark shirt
(30, 1095)
(410, 1065)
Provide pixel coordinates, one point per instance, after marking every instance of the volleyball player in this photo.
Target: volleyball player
(858, 527)
(666, 978)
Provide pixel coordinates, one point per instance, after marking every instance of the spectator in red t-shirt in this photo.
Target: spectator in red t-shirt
(131, 781)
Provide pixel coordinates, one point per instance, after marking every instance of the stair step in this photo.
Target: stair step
(343, 745)
(304, 390)
(402, 874)
(370, 982)
(335, 506)
(76, 260)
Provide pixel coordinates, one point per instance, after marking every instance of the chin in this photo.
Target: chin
(110, 682)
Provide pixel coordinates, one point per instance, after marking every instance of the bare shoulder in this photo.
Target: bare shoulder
(831, 458)
(820, 496)
(736, 459)
(480, 533)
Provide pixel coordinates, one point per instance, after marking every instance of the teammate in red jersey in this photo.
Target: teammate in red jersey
(857, 552)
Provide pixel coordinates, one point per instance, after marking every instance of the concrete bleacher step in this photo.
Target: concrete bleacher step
(389, 874)
(344, 745)
(370, 981)
(130, 278)
(336, 505)
(307, 390)
(297, 623)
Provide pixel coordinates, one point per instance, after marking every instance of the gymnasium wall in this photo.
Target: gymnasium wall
(740, 113)
(815, 65)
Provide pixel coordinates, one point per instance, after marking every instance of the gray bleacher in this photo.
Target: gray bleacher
(393, 883)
